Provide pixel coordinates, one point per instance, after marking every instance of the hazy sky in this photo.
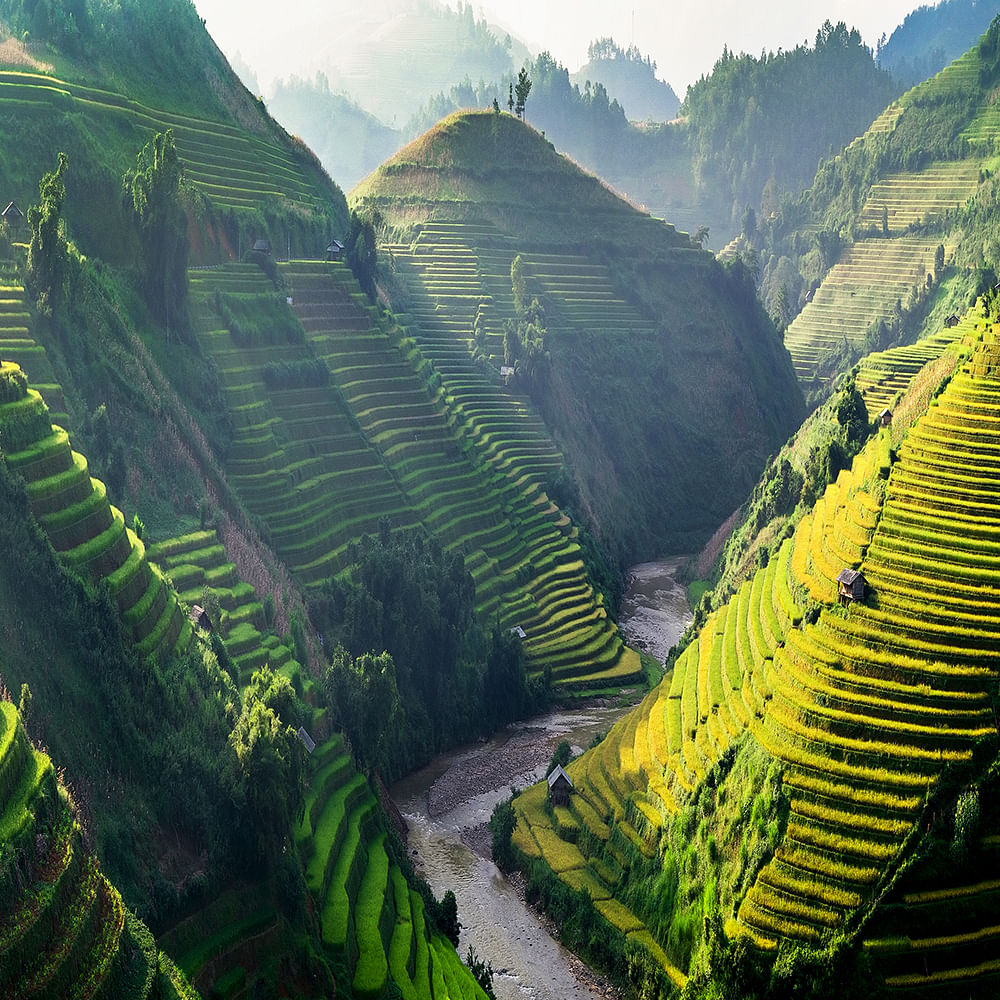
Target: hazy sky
(684, 38)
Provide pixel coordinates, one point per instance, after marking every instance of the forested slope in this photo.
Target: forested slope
(897, 232)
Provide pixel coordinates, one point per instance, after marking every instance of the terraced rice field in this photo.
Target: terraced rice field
(885, 376)
(17, 344)
(859, 290)
(198, 561)
(65, 932)
(232, 166)
(371, 920)
(298, 457)
(323, 466)
(86, 531)
(863, 706)
(906, 198)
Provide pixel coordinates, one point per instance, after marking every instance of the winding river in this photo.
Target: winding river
(447, 805)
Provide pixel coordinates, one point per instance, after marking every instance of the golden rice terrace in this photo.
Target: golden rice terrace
(813, 763)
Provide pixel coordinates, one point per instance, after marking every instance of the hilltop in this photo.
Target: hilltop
(659, 378)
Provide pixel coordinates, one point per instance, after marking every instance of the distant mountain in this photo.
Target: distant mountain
(348, 140)
(930, 37)
(630, 79)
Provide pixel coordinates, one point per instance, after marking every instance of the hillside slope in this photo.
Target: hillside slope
(898, 230)
(658, 377)
(101, 99)
(797, 778)
(64, 929)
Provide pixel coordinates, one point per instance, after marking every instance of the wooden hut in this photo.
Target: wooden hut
(335, 250)
(307, 741)
(885, 417)
(200, 617)
(851, 586)
(262, 246)
(560, 787)
(13, 216)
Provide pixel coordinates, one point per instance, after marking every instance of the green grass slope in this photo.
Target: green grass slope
(100, 105)
(655, 353)
(891, 214)
(797, 776)
(64, 931)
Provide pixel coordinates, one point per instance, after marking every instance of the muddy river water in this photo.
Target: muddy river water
(447, 805)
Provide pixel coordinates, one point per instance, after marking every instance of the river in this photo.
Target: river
(447, 805)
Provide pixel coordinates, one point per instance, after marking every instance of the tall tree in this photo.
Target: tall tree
(521, 91)
(48, 251)
(153, 190)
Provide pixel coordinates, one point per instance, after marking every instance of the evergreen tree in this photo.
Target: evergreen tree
(522, 90)
(153, 191)
(48, 250)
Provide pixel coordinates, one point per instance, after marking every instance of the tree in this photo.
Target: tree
(270, 764)
(521, 90)
(153, 191)
(48, 250)
(361, 250)
(510, 99)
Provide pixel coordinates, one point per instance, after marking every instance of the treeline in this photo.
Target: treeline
(754, 129)
(412, 671)
(759, 126)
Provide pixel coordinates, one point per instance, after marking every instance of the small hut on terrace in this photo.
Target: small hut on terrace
(560, 787)
(851, 586)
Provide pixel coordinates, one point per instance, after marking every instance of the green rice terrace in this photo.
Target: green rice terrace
(904, 218)
(233, 166)
(89, 533)
(64, 931)
(374, 439)
(841, 730)
(369, 918)
(487, 218)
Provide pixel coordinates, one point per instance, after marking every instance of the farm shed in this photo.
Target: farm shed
(885, 417)
(560, 787)
(262, 246)
(12, 215)
(200, 617)
(335, 250)
(851, 586)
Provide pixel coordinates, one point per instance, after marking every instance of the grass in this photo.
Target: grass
(372, 969)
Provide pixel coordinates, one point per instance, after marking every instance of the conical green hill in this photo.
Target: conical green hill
(798, 776)
(651, 365)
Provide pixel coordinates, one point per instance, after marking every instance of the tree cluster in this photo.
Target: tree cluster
(412, 671)
(153, 191)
